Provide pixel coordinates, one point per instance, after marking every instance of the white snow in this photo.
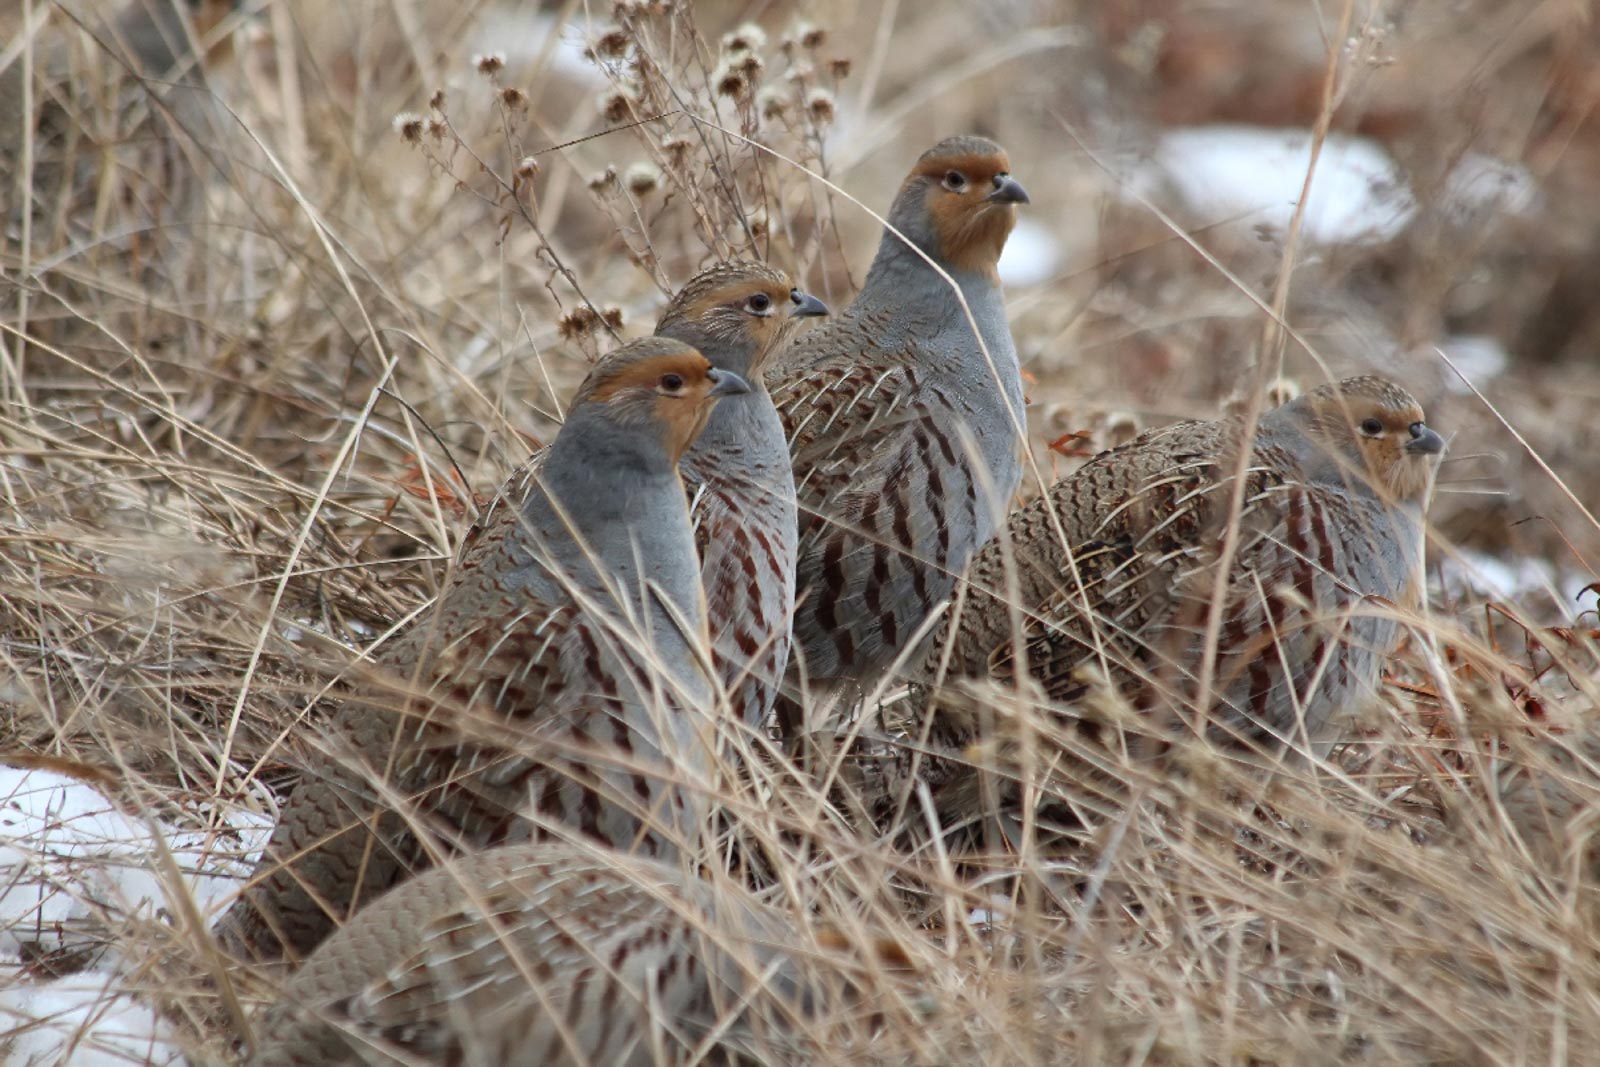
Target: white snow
(1254, 177)
(1481, 186)
(83, 1020)
(1032, 254)
(73, 867)
(1469, 572)
(1477, 356)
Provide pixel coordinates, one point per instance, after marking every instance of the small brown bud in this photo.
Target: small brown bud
(409, 126)
(489, 64)
(436, 101)
(616, 105)
(750, 65)
(513, 98)
(577, 323)
(677, 150)
(730, 81)
(747, 38)
(819, 104)
(612, 43)
(839, 68)
(642, 178)
(774, 102)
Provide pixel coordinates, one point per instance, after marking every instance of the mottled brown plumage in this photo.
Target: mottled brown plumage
(741, 490)
(1329, 551)
(554, 955)
(902, 425)
(557, 678)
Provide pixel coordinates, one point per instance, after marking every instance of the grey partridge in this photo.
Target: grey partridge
(904, 421)
(1115, 568)
(556, 679)
(737, 475)
(551, 954)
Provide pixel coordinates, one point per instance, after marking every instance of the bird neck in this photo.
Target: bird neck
(609, 516)
(743, 442)
(900, 276)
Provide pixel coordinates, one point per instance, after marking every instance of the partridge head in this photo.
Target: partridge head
(1367, 432)
(738, 314)
(959, 204)
(659, 386)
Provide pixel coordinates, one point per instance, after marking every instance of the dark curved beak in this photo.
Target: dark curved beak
(1007, 190)
(726, 383)
(806, 305)
(1424, 442)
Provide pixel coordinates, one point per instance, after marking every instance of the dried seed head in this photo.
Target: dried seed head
(437, 128)
(577, 323)
(616, 104)
(747, 38)
(750, 65)
(612, 43)
(810, 35)
(409, 126)
(758, 222)
(513, 98)
(604, 181)
(774, 102)
(839, 69)
(436, 101)
(819, 105)
(730, 81)
(612, 316)
(527, 169)
(1121, 427)
(642, 178)
(677, 150)
(490, 63)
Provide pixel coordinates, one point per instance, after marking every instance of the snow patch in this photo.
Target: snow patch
(1478, 357)
(85, 1021)
(1254, 177)
(73, 865)
(1031, 255)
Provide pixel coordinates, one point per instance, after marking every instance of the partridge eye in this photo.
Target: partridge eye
(955, 181)
(760, 303)
(1371, 427)
(672, 382)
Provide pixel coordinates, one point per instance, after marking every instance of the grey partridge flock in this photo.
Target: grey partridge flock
(694, 552)
(553, 681)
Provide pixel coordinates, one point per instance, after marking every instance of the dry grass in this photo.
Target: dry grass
(261, 353)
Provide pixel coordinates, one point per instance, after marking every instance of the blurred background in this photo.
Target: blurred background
(286, 283)
(287, 288)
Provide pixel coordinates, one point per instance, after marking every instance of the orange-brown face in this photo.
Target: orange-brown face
(972, 201)
(673, 387)
(756, 314)
(1387, 431)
